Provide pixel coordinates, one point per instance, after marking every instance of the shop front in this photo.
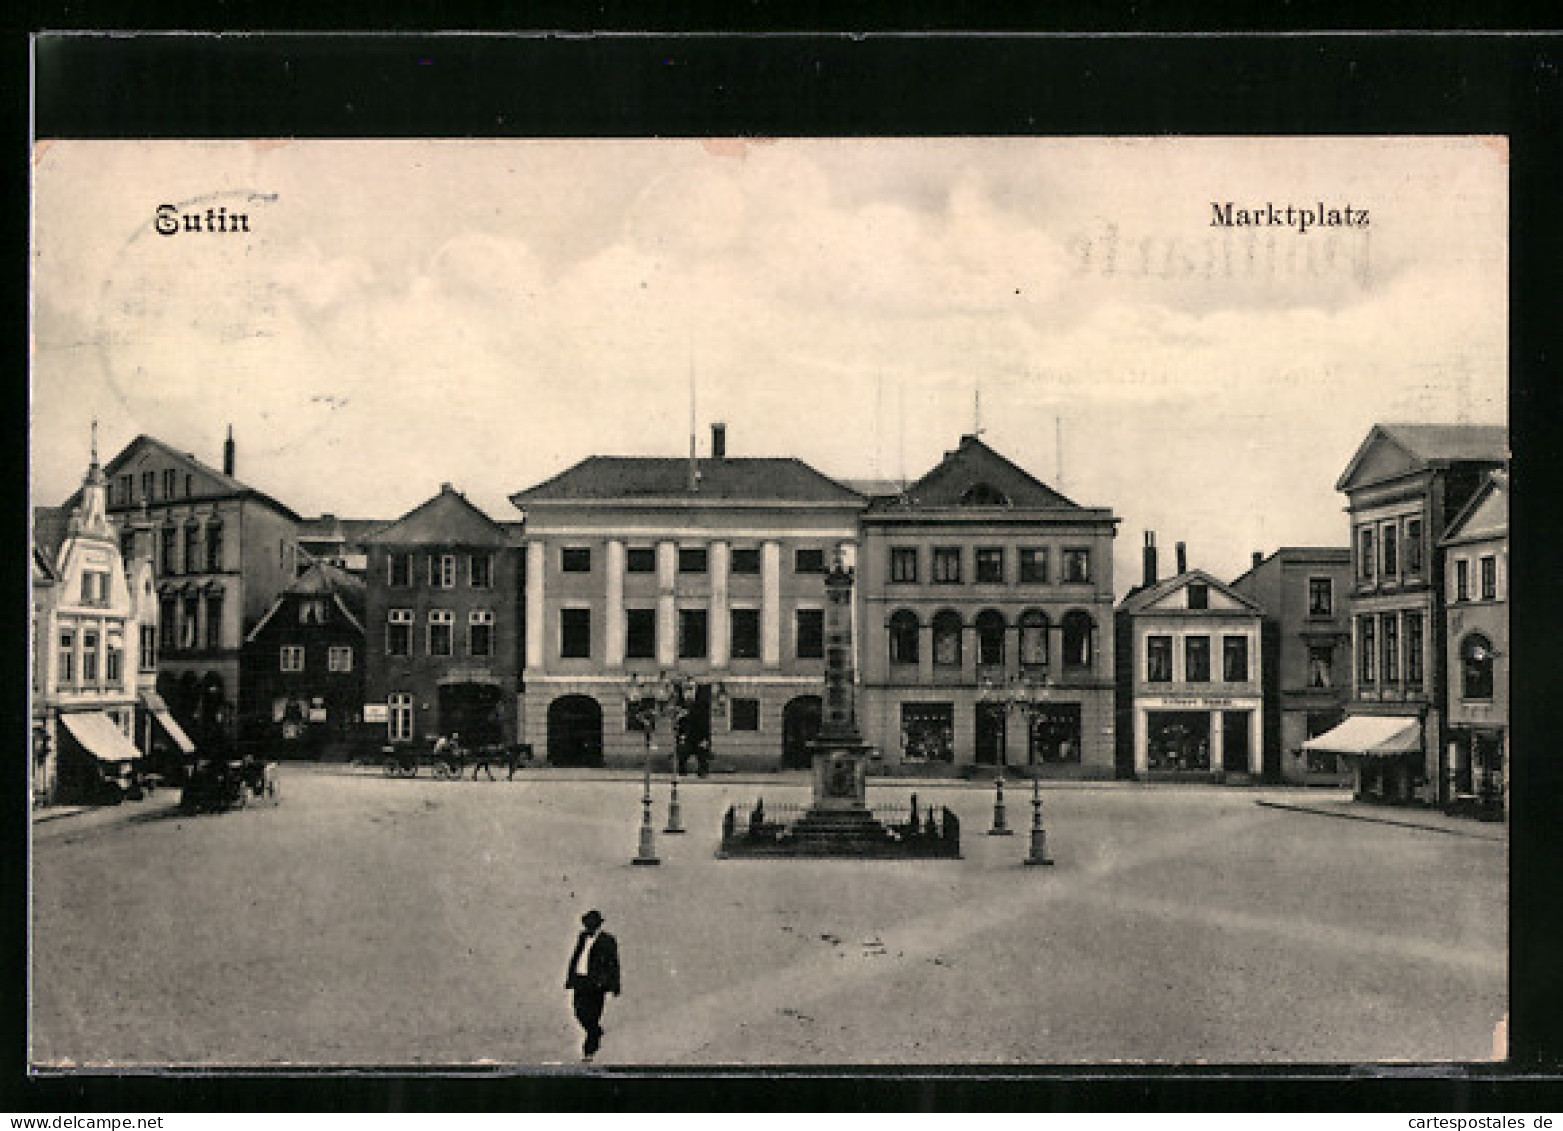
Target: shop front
(1206, 739)
(1477, 770)
(1384, 752)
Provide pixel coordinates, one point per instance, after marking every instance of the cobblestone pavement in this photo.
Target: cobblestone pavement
(372, 921)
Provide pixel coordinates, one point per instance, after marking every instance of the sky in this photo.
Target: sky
(401, 314)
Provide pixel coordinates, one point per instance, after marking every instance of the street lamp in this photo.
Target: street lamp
(649, 702)
(1019, 696)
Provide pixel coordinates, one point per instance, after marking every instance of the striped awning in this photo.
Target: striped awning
(101, 737)
(153, 702)
(1373, 735)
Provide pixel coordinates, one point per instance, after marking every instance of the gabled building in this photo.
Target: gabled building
(1306, 673)
(442, 625)
(303, 669)
(1476, 576)
(979, 585)
(711, 571)
(1404, 486)
(222, 551)
(94, 711)
(1190, 700)
(336, 541)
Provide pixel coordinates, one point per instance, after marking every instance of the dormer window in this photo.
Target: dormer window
(984, 495)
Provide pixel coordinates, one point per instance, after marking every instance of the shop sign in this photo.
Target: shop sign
(377, 713)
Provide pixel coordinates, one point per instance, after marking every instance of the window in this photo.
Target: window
(990, 638)
(746, 559)
(1234, 659)
(1476, 658)
(1158, 659)
(1414, 650)
(746, 634)
(122, 489)
(1199, 595)
(148, 648)
(292, 658)
(1462, 580)
(691, 559)
(67, 656)
(94, 588)
(192, 548)
(904, 637)
(1078, 630)
(641, 559)
(166, 623)
(1489, 578)
(575, 559)
(640, 634)
(189, 485)
(1413, 547)
(811, 634)
(1033, 638)
(169, 547)
(947, 639)
(928, 732)
(148, 485)
(1077, 565)
(575, 633)
(441, 632)
(1033, 565)
(1196, 659)
(214, 621)
(188, 625)
(442, 571)
(903, 563)
(1390, 631)
(984, 495)
(480, 571)
(1391, 552)
(214, 546)
(398, 632)
(400, 566)
(808, 560)
(170, 479)
(1321, 597)
(1365, 650)
(89, 655)
(400, 716)
(339, 658)
(312, 611)
(990, 564)
(480, 632)
(640, 715)
(114, 659)
(947, 564)
(1365, 554)
(1321, 659)
(693, 633)
(744, 714)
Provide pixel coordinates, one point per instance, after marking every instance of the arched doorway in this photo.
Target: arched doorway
(575, 731)
(800, 726)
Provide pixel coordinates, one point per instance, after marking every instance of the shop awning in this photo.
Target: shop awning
(153, 702)
(1371, 735)
(100, 737)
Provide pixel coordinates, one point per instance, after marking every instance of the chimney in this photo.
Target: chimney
(1258, 559)
(1150, 558)
(718, 441)
(228, 453)
(1183, 558)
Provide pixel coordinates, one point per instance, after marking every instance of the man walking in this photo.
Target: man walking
(593, 975)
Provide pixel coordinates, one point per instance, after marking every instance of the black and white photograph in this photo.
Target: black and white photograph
(580, 604)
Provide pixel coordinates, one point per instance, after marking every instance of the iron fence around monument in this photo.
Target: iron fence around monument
(903, 828)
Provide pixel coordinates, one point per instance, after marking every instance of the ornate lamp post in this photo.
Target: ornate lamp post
(1020, 697)
(648, 703)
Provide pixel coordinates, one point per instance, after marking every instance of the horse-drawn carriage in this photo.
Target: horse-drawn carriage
(215, 785)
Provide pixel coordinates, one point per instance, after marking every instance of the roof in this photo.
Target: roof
(330, 528)
(1302, 555)
(1142, 597)
(643, 478)
(227, 485)
(50, 526)
(1484, 516)
(974, 475)
(321, 579)
(446, 519)
(876, 488)
(44, 572)
(1434, 445)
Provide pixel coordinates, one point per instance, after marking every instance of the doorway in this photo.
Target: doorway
(800, 727)
(990, 734)
(1234, 741)
(575, 731)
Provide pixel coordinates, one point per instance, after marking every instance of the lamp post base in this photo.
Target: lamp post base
(1000, 824)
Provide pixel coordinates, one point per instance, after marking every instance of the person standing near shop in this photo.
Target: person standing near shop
(593, 975)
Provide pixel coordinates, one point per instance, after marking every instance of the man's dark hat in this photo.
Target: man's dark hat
(591, 917)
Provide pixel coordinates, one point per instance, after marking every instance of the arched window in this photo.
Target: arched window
(1476, 658)
(903, 637)
(990, 638)
(1033, 638)
(984, 495)
(1077, 639)
(947, 639)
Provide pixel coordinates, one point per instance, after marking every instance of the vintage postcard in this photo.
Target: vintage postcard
(666, 604)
